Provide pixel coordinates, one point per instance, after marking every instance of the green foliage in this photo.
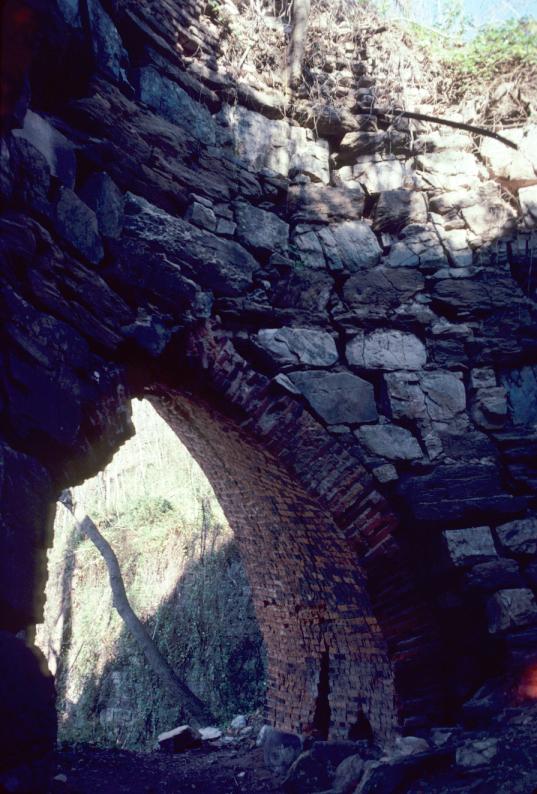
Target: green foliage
(497, 47)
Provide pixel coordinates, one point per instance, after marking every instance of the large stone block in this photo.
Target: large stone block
(108, 49)
(490, 220)
(169, 100)
(261, 230)
(519, 536)
(406, 399)
(78, 225)
(390, 441)
(398, 208)
(511, 609)
(521, 387)
(381, 174)
(445, 395)
(458, 492)
(375, 294)
(311, 203)
(338, 397)
(299, 346)
(357, 245)
(469, 546)
(308, 155)
(503, 161)
(216, 263)
(387, 350)
(103, 196)
(498, 574)
(308, 248)
(266, 143)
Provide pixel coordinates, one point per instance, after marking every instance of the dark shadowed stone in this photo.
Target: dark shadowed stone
(356, 144)
(405, 396)
(315, 769)
(31, 176)
(477, 753)
(216, 263)
(180, 739)
(338, 397)
(390, 441)
(299, 346)
(28, 725)
(70, 10)
(259, 229)
(458, 492)
(376, 293)
(469, 546)
(150, 332)
(388, 350)
(308, 247)
(519, 537)
(499, 574)
(531, 575)
(169, 100)
(511, 609)
(313, 202)
(489, 409)
(348, 773)
(462, 296)
(203, 217)
(25, 492)
(304, 289)
(398, 208)
(468, 445)
(77, 224)
(108, 49)
(279, 748)
(357, 245)
(393, 775)
(55, 148)
(102, 195)
(521, 387)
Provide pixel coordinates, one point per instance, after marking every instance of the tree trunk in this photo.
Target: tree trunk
(197, 711)
(300, 11)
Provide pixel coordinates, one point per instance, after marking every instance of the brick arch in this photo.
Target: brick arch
(327, 660)
(366, 573)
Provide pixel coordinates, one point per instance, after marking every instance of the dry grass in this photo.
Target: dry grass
(355, 56)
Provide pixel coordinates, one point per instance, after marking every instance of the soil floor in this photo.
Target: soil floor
(226, 770)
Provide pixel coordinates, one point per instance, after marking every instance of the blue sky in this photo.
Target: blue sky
(480, 12)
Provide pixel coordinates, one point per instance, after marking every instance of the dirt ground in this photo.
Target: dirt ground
(208, 770)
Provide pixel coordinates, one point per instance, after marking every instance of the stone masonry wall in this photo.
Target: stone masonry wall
(358, 309)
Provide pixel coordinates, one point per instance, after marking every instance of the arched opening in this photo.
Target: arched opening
(327, 660)
(328, 666)
(184, 578)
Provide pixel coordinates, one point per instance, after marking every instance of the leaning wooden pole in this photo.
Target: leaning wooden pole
(196, 710)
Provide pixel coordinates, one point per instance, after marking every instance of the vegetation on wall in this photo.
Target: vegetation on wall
(431, 65)
(185, 580)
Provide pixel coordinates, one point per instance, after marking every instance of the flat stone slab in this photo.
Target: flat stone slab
(299, 346)
(387, 350)
(338, 397)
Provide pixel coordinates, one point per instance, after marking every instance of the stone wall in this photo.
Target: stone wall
(350, 320)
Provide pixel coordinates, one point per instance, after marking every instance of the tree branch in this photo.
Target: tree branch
(459, 125)
(198, 711)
